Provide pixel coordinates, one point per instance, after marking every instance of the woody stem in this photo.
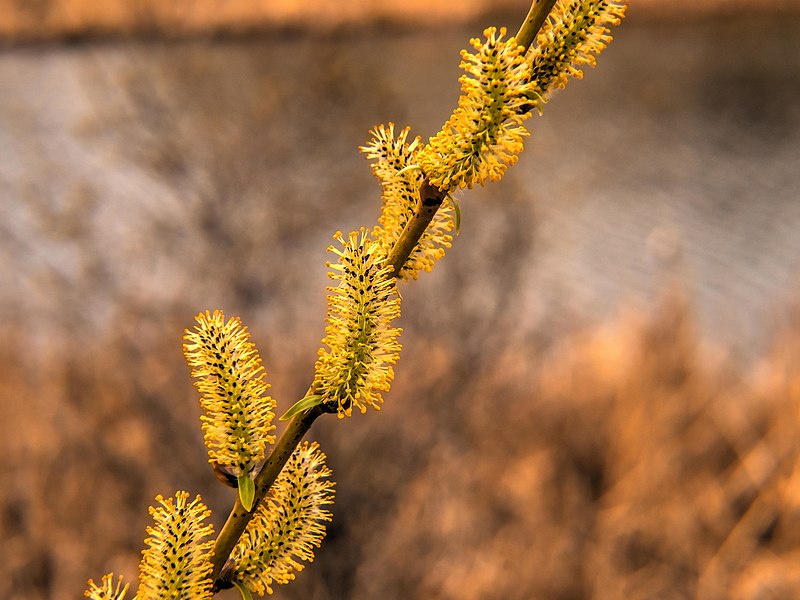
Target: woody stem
(533, 22)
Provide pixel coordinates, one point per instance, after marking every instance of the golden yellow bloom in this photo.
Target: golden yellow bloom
(177, 560)
(393, 162)
(288, 524)
(362, 344)
(484, 134)
(390, 155)
(573, 34)
(230, 379)
(107, 590)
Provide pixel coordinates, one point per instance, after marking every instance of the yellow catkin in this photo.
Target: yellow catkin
(361, 343)
(394, 164)
(574, 33)
(288, 525)
(107, 590)
(484, 134)
(502, 84)
(177, 560)
(229, 376)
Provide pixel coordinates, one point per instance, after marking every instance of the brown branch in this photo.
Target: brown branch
(533, 22)
(430, 199)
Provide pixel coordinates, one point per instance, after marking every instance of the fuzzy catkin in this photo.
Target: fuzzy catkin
(575, 32)
(362, 346)
(288, 524)
(237, 418)
(483, 136)
(177, 560)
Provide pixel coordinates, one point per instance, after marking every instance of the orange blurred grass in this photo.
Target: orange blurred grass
(67, 19)
(627, 460)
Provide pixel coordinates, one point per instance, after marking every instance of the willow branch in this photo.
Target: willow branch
(430, 199)
(533, 22)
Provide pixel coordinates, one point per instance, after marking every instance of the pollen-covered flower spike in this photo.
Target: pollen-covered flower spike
(107, 590)
(362, 344)
(288, 525)
(229, 376)
(177, 560)
(574, 33)
(484, 134)
(394, 164)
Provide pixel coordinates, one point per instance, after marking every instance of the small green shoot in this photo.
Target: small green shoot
(247, 490)
(301, 405)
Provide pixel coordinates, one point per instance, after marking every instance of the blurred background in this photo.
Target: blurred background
(599, 391)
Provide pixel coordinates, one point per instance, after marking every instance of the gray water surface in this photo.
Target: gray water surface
(170, 176)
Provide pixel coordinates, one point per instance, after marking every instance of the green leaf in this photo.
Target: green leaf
(243, 591)
(247, 491)
(301, 405)
(457, 208)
